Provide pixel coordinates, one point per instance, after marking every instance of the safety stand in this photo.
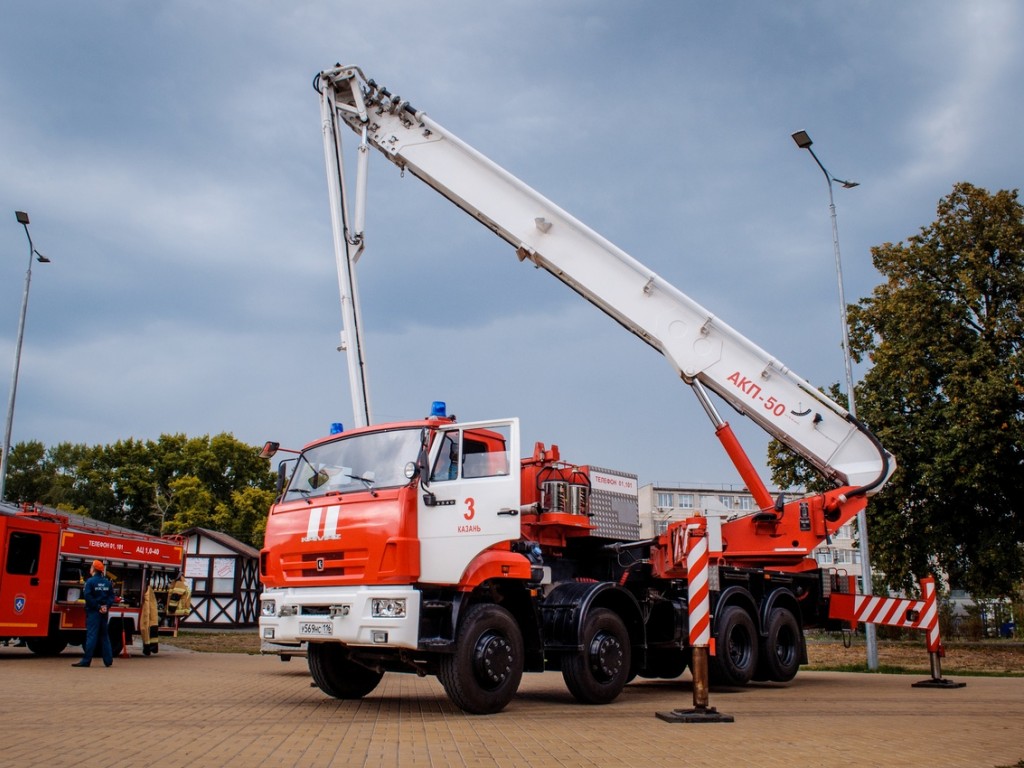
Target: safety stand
(935, 649)
(701, 712)
(920, 614)
(936, 680)
(700, 628)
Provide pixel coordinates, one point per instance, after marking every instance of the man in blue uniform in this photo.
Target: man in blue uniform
(99, 596)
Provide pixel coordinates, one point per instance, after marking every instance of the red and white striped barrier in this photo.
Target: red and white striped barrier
(694, 546)
(893, 612)
(698, 591)
(920, 614)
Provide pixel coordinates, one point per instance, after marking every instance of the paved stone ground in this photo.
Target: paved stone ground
(194, 709)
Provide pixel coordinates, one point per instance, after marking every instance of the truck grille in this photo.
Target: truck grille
(310, 565)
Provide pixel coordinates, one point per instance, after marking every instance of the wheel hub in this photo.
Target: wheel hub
(493, 659)
(606, 656)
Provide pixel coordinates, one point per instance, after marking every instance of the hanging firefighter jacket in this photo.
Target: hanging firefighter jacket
(179, 598)
(149, 621)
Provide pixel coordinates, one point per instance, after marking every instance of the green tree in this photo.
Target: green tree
(945, 394)
(245, 517)
(192, 503)
(28, 476)
(168, 485)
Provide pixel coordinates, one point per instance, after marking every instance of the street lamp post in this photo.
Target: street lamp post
(32, 253)
(803, 141)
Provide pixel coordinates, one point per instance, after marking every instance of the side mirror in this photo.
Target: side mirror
(282, 476)
(269, 449)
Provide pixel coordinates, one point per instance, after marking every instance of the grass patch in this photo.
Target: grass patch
(996, 658)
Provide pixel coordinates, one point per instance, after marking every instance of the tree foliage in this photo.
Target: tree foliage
(169, 485)
(945, 394)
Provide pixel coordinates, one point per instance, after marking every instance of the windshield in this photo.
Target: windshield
(358, 463)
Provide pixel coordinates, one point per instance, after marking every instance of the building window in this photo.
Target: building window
(686, 500)
(725, 501)
(746, 503)
(224, 575)
(824, 556)
(197, 572)
(665, 500)
(660, 526)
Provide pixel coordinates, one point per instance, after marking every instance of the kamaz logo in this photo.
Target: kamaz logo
(319, 564)
(321, 527)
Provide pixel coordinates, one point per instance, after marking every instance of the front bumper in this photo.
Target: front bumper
(339, 614)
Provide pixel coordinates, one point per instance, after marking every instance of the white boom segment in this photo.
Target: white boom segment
(702, 349)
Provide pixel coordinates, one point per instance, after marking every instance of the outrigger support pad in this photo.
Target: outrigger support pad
(936, 680)
(698, 715)
(701, 712)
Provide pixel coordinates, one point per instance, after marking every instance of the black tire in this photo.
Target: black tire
(46, 646)
(781, 648)
(735, 647)
(666, 664)
(337, 675)
(598, 673)
(483, 674)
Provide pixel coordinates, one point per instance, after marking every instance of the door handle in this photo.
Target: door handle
(34, 581)
(508, 512)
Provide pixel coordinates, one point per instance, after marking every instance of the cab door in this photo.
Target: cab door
(28, 553)
(470, 500)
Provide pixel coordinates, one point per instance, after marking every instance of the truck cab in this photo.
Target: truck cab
(368, 516)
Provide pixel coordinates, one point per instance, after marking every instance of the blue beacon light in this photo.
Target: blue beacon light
(337, 428)
(438, 410)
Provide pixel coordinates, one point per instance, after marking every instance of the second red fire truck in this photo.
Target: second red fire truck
(45, 557)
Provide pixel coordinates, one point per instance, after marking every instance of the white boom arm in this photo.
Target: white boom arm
(702, 349)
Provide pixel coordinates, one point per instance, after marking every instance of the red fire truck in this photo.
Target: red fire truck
(435, 547)
(45, 556)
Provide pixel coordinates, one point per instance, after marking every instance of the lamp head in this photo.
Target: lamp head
(802, 139)
(22, 217)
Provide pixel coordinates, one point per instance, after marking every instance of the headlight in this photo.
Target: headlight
(268, 608)
(388, 608)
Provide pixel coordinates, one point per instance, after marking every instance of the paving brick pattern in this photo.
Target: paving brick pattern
(194, 709)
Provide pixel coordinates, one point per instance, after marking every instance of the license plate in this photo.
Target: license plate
(317, 628)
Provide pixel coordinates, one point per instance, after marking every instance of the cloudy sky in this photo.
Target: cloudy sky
(170, 157)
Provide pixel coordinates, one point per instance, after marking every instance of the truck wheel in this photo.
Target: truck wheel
(46, 646)
(483, 674)
(780, 654)
(598, 673)
(666, 664)
(736, 648)
(337, 675)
